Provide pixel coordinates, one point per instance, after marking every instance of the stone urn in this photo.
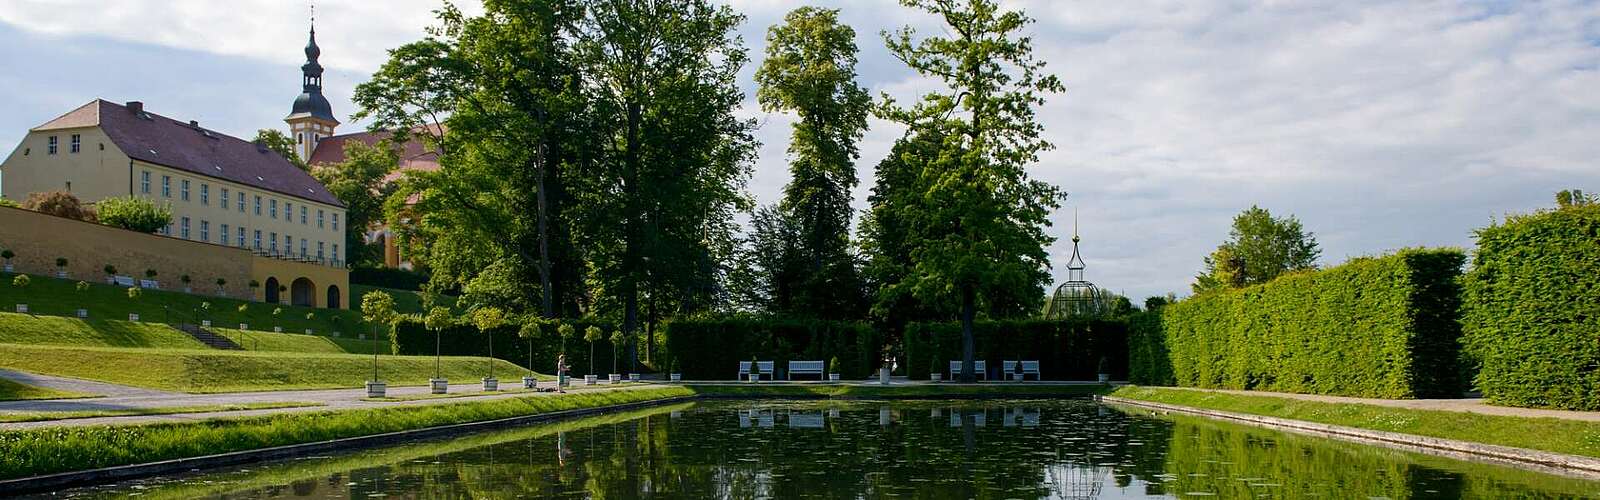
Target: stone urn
(491, 384)
(530, 383)
(439, 385)
(376, 389)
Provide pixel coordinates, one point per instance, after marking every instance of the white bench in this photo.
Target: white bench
(765, 368)
(806, 368)
(977, 366)
(1028, 368)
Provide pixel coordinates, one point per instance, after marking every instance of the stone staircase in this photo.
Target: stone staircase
(208, 338)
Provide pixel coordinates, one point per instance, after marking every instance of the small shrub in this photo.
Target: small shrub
(110, 270)
(7, 202)
(59, 204)
(82, 286)
(135, 292)
(134, 214)
(21, 281)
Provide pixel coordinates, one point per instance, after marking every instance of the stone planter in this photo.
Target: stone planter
(1105, 377)
(205, 323)
(277, 329)
(614, 378)
(188, 290)
(633, 377)
(22, 308)
(883, 376)
(589, 379)
(676, 377)
(754, 377)
(833, 377)
(244, 326)
(310, 332)
(530, 383)
(1016, 377)
(61, 275)
(9, 269)
(376, 389)
(335, 334)
(133, 316)
(83, 313)
(491, 384)
(439, 385)
(935, 377)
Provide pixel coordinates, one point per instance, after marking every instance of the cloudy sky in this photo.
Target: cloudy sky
(1380, 125)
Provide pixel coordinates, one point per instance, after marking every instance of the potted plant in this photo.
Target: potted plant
(755, 369)
(243, 310)
(277, 327)
(934, 375)
(616, 340)
(487, 319)
(83, 288)
(591, 334)
(530, 330)
(283, 295)
(21, 282)
(565, 331)
(133, 294)
(7, 254)
(833, 369)
(205, 313)
(222, 292)
(311, 316)
(150, 279)
(185, 280)
(61, 267)
(437, 319)
(377, 308)
(253, 286)
(1016, 370)
(672, 368)
(111, 274)
(1104, 370)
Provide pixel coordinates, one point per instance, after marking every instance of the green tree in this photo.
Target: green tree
(377, 308)
(1259, 248)
(133, 213)
(280, 143)
(487, 319)
(810, 71)
(1568, 198)
(979, 228)
(616, 340)
(530, 331)
(360, 182)
(590, 335)
(565, 331)
(437, 319)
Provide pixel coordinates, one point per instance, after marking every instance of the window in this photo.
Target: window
(302, 247)
(224, 239)
(272, 243)
(241, 202)
(205, 194)
(241, 237)
(335, 221)
(183, 193)
(319, 250)
(166, 186)
(302, 215)
(258, 240)
(183, 229)
(258, 205)
(224, 204)
(274, 204)
(300, 138)
(205, 230)
(320, 213)
(288, 211)
(336, 252)
(144, 182)
(288, 244)
(167, 229)
(77, 140)
(53, 141)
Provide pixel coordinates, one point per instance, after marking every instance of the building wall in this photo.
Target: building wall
(208, 213)
(97, 171)
(38, 239)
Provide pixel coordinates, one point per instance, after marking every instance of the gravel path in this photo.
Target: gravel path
(1465, 405)
(78, 385)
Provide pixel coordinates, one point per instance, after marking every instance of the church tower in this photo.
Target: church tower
(312, 117)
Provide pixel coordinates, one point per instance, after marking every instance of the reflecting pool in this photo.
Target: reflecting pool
(869, 449)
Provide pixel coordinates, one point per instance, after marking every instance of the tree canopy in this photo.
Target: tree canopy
(1259, 248)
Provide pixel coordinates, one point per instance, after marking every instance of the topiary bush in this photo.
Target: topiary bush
(133, 213)
(1383, 327)
(1532, 309)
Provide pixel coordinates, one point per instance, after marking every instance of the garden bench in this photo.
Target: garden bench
(806, 367)
(977, 366)
(1028, 368)
(765, 368)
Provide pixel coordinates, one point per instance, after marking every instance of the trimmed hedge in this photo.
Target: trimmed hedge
(711, 349)
(1383, 327)
(414, 339)
(387, 277)
(1068, 349)
(1148, 363)
(1532, 310)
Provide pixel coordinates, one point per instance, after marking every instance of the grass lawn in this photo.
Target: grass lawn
(405, 301)
(43, 451)
(39, 416)
(894, 391)
(13, 391)
(55, 330)
(209, 371)
(1547, 434)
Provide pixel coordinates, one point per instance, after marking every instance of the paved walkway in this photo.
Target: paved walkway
(77, 385)
(1465, 405)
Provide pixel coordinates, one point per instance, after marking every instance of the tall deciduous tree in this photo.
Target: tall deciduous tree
(979, 226)
(810, 71)
(1259, 248)
(281, 143)
(360, 182)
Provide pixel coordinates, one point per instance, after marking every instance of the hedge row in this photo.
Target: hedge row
(1148, 363)
(1381, 327)
(1069, 349)
(413, 339)
(1532, 312)
(711, 349)
(388, 277)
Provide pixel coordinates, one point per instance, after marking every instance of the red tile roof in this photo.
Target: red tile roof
(153, 138)
(413, 156)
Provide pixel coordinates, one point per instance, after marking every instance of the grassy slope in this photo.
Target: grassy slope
(233, 371)
(1547, 434)
(53, 330)
(55, 297)
(43, 451)
(12, 391)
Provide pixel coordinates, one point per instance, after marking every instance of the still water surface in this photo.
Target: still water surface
(870, 449)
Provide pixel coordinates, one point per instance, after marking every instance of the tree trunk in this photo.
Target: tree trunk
(968, 310)
(630, 255)
(546, 294)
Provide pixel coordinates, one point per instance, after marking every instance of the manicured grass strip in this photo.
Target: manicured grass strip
(424, 397)
(44, 451)
(69, 415)
(1572, 437)
(55, 330)
(212, 371)
(57, 297)
(281, 342)
(893, 391)
(13, 391)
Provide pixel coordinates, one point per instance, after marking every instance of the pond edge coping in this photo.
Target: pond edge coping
(1542, 461)
(52, 482)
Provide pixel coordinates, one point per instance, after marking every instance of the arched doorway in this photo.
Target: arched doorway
(333, 297)
(272, 291)
(303, 293)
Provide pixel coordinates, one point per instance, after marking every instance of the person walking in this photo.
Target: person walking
(561, 373)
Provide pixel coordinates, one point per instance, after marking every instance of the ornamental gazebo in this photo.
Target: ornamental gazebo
(1077, 297)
